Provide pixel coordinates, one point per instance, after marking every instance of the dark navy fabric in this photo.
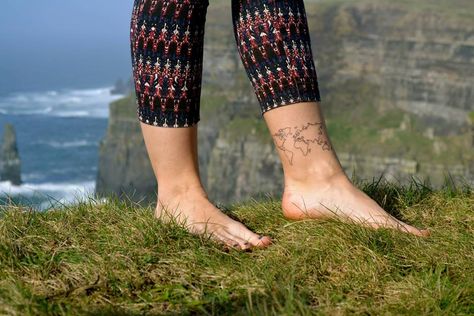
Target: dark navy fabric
(167, 38)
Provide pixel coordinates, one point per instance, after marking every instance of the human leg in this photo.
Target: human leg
(181, 196)
(273, 41)
(166, 41)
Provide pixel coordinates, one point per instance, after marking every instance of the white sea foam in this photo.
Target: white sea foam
(52, 192)
(68, 144)
(31, 176)
(32, 188)
(52, 93)
(76, 114)
(64, 103)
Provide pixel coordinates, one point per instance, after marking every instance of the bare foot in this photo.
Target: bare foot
(199, 216)
(338, 197)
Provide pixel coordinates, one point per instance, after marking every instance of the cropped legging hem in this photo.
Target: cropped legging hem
(301, 91)
(167, 118)
(167, 39)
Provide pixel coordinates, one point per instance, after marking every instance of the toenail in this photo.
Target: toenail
(260, 237)
(247, 243)
(235, 245)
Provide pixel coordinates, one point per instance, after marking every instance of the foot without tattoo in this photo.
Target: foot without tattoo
(199, 216)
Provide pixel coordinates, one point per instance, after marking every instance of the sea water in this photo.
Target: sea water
(58, 134)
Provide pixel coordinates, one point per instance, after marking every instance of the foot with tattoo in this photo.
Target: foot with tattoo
(316, 186)
(336, 196)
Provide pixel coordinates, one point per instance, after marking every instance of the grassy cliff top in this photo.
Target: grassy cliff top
(459, 8)
(114, 258)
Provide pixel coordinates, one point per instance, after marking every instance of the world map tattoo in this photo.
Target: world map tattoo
(301, 139)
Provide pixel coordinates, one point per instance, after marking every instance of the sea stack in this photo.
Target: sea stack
(10, 167)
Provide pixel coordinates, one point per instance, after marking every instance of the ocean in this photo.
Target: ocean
(58, 134)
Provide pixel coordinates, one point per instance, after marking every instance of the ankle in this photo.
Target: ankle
(180, 190)
(314, 175)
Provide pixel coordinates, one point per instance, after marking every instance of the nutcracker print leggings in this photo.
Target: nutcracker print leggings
(167, 37)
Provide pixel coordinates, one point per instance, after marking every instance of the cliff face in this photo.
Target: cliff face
(243, 162)
(397, 85)
(10, 165)
(124, 167)
(421, 61)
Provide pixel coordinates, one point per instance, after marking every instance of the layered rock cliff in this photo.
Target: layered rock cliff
(396, 80)
(420, 60)
(124, 167)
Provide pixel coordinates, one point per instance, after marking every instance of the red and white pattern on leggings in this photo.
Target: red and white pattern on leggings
(274, 44)
(166, 38)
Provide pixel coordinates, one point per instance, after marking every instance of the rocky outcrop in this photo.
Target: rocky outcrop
(243, 163)
(421, 60)
(10, 165)
(123, 88)
(124, 167)
(403, 59)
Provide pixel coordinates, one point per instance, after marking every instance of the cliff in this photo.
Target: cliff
(397, 82)
(419, 60)
(124, 167)
(10, 165)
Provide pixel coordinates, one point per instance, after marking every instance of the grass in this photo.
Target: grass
(124, 107)
(113, 258)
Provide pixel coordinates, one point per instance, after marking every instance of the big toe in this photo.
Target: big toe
(416, 231)
(258, 241)
(424, 232)
(264, 241)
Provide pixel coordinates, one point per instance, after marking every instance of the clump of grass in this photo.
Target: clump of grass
(114, 258)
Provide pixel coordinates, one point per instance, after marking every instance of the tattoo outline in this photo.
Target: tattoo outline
(300, 139)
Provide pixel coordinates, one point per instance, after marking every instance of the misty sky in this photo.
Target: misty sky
(51, 44)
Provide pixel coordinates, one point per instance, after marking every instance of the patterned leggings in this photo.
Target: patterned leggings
(166, 39)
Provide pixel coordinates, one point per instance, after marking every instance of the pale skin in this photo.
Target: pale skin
(315, 185)
(181, 195)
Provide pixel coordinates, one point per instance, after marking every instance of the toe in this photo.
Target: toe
(259, 241)
(412, 229)
(419, 232)
(244, 233)
(242, 243)
(264, 241)
(223, 239)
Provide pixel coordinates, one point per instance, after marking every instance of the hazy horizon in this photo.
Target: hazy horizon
(56, 44)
